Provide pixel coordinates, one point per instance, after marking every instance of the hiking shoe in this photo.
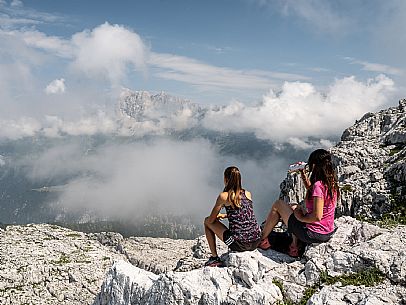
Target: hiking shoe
(264, 244)
(214, 262)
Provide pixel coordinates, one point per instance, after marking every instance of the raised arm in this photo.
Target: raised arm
(306, 180)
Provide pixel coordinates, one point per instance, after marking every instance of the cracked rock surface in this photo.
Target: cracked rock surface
(45, 264)
(249, 277)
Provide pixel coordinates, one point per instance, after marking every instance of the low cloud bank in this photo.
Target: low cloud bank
(162, 177)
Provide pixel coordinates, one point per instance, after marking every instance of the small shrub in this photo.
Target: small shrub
(63, 259)
(367, 277)
(74, 235)
(346, 188)
(307, 294)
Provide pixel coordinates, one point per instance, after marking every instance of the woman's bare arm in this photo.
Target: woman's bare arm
(249, 195)
(221, 200)
(316, 215)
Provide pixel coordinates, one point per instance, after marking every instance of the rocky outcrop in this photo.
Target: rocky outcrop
(371, 166)
(45, 264)
(266, 277)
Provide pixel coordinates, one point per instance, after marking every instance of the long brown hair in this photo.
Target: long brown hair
(322, 170)
(233, 186)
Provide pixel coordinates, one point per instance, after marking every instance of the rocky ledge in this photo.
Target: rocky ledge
(45, 264)
(358, 254)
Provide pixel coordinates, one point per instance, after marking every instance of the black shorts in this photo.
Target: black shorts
(237, 246)
(303, 233)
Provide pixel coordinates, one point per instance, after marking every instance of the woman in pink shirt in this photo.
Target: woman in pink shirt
(314, 224)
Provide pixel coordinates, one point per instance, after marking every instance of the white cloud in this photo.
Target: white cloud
(139, 179)
(56, 86)
(52, 44)
(17, 129)
(375, 67)
(300, 112)
(130, 180)
(15, 14)
(317, 13)
(16, 3)
(198, 73)
(108, 50)
(297, 114)
(2, 161)
(100, 123)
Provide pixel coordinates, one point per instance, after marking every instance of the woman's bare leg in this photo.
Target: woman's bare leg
(211, 230)
(294, 244)
(280, 209)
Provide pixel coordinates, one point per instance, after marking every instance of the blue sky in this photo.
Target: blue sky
(57, 56)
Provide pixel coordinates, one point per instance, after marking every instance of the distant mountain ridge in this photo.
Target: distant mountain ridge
(142, 105)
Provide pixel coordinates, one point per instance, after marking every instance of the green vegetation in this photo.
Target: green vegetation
(395, 150)
(74, 235)
(278, 283)
(87, 248)
(346, 188)
(307, 294)
(63, 259)
(83, 261)
(12, 289)
(367, 277)
(398, 213)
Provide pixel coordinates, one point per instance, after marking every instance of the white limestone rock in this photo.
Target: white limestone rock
(45, 264)
(248, 277)
(384, 294)
(126, 284)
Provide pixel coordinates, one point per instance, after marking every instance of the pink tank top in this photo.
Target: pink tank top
(326, 224)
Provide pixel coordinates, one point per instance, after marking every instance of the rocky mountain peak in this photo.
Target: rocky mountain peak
(143, 105)
(371, 166)
(386, 126)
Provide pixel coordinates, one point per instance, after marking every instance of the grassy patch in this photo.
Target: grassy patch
(75, 235)
(13, 289)
(83, 261)
(346, 188)
(395, 150)
(87, 248)
(398, 214)
(307, 294)
(366, 277)
(63, 259)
